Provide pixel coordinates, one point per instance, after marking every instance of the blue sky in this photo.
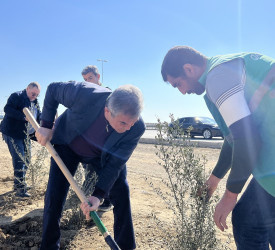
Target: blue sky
(53, 40)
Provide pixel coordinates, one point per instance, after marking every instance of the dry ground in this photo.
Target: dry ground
(21, 219)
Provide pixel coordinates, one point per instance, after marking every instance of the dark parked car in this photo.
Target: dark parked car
(201, 126)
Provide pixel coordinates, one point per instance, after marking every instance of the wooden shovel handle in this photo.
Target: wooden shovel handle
(70, 179)
(57, 158)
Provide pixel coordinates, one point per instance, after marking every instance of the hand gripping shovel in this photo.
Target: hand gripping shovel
(108, 238)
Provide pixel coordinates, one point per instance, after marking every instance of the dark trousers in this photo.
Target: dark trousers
(253, 219)
(19, 166)
(55, 198)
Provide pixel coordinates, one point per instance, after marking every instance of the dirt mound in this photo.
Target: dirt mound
(24, 233)
(21, 219)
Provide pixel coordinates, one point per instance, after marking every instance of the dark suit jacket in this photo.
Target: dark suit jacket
(14, 122)
(85, 101)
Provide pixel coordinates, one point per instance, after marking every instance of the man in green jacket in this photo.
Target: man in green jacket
(239, 96)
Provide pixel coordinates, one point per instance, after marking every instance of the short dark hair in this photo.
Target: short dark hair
(176, 57)
(90, 68)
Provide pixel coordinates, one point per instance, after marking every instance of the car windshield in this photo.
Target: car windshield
(206, 120)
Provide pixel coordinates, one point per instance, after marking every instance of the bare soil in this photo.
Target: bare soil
(21, 218)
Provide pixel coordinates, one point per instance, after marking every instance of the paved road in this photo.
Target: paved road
(216, 142)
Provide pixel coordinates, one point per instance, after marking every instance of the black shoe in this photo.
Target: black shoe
(22, 193)
(17, 188)
(105, 206)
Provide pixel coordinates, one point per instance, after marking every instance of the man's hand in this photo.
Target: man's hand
(86, 208)
(223, 208)
(212, 184)
(43, 135)
(207, 190)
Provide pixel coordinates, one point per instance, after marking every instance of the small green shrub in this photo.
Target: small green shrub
(34, 159)
(193, 226)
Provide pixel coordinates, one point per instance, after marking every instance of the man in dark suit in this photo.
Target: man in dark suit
(15, 128)
(99, 128)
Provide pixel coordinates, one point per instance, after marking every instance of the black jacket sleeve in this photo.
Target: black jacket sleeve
(246, 149)
(224, 161)
(118, 157)
(13, 107)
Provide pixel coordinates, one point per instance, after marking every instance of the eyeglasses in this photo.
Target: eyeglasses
(34, 95)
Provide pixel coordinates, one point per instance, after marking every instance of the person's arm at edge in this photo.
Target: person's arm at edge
(246, 148)
(246, 140)
(11, 110)
(57, 93)
(221, 168)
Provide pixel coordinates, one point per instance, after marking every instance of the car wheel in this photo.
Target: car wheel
(207, 134)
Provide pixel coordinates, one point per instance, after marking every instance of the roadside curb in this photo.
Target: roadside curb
(198, 144)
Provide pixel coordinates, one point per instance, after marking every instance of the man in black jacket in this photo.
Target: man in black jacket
(15, 128)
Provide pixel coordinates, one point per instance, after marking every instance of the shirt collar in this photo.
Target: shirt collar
(202, 79)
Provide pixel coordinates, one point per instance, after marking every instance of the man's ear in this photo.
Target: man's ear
(188, 69)
(106, 110)
(98, 76)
